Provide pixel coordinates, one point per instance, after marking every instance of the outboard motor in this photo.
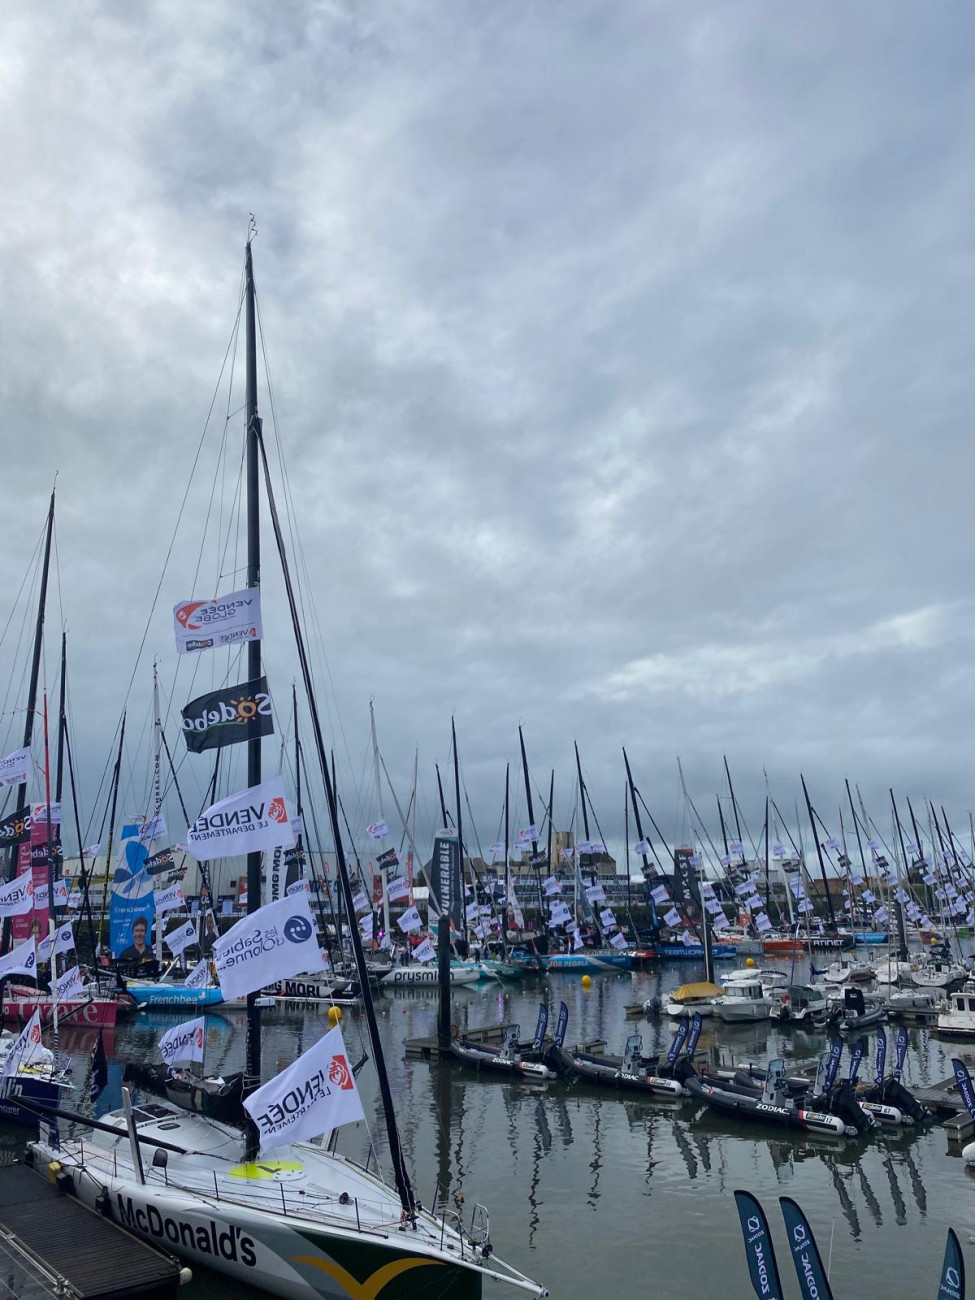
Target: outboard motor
(842, 1102)
(853, 1003)
(893, 1093)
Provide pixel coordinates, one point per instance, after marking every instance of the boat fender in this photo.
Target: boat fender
(185, 1276)
(54, 1171)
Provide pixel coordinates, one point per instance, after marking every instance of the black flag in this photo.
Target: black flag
(15, 827)
(805, 1252)
(229, 716)
(759, 1250)
(952, 1271)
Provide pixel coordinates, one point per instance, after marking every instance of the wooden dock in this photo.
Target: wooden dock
(53, 1246)
(426, 1049)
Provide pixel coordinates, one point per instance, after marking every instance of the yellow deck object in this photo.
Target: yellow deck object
(688, 992)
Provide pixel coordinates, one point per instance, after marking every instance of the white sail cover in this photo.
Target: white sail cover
(315, 1095)
(246, 822)
(273, 943)
(184, 1042)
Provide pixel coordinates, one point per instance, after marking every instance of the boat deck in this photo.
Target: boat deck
(50, 1245)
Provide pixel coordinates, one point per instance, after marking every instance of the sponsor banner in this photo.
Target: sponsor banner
(228, 717)
(185, 1042)
(595, 893)
(551, 886)
(63, 942)
(163, 861)
(15, 769)
(246, 822)
(273, 875)
(273, 943)
(377, 831)
(686, 889)
(952, 1270)
(17, 896)
(199, 976)
(397, 889)
(27, 1042)
(132, 895)
(386, 861)
(169, 900)
(69, 985)
(21, 960)
(759, 1251)
(179, 940)
(446, 892)
(311, 1097)
(233, 619)
(660, 894)
(805, 1253)
(410, 921)
(15, 827)
(424, 951)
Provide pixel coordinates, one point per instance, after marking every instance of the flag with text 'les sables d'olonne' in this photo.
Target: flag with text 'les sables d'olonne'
(247, 822)
(312, 1097)
(276, 942)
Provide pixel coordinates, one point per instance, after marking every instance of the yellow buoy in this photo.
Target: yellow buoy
(749, 962)
(334, 1016)
(586, 981)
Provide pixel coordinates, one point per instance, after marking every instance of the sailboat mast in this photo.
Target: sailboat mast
(541, 942)
(459, 904)
(508, 900)
(253, 1048)
(819, 854)
(379, 797)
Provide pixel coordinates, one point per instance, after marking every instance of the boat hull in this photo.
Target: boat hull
(44, 1091)
(692, 952)
(588, 963)
(419, 977)
(20, 1005)
(174, 995)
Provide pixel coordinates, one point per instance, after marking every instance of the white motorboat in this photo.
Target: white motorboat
(938, 974)
(912, 1001)
(768, 977)
(801, 1004)
(743, 1003)
(957, 1019)
(689, 999)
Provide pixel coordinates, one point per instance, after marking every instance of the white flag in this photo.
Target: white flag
(551, 886)
(576, 940)
(41, 814)
(246, 822)
(25, 1045)
(762, 923)
(672, 918)
(397, 889)
(69, 985)
(91, 852)
(424, 951)
(21, 960)
(377, 831)
(15, 768)
(641, 847)
(606, 917)
(517, 916)
(152, 828)
(618, 941)
(17, 896)
(713, 906)
(660, 894)
(185, 1042)
(311, 1097)
(63, 942)
(180, 939)
(720, 921)
(559, 914)
(495, 849)
(75, 899)
(273, 943)
(595, 893)
(472, 912)
(361, 903)
(199, 976)
(410, 920)
(365, 926)
(168, 900)
(228, 620)
(527, 834)
(299, 887)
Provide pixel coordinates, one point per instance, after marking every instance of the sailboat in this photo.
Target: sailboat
(300, 1220)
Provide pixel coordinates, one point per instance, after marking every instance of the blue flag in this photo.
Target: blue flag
(759, 1250)
(856, 1056)
(901, 1051)
(694, 1035)
(540, 1027)
(964, 1081)
(563, 1024)
(881, 1055)
(805, 1253)
(678, 1042)
(833, 1064)
(952, 1271)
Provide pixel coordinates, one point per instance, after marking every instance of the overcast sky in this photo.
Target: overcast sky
(621, 355)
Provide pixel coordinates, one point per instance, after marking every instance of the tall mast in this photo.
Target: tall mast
(898, 910)
(642, 840)
(253, 434)
(379, 796)
(157, 786)
(819, 854)
(541, 941)
(551, 801)
(508, 900)
(460, 833)
(734, 807)
(768, 883)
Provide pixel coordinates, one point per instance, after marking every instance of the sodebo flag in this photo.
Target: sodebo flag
(273, 943)
(185, 1042)
(311, 1097)
(246, 822)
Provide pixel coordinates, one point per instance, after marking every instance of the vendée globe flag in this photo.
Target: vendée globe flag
(311, 1097)
(15, 768)
(273, 943)
(228, 620)
(185, 1042)
(246, 822)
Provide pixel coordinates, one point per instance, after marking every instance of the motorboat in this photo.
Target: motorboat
(743, 1003)
(689, 999)
(770, 1103)
(957, 1019)
(801, 1004)
(632, 1071)
(512, 1058)
(426, 975)
(913, 1002)
(767, 976)
(890, 970)
(857, 1012)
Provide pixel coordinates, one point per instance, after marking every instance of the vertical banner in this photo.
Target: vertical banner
(687, 892)
(377, 890)
(21, 927)
(132, 907)
(445, 884)
(273, 875)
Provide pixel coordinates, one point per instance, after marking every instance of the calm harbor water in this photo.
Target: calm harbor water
(587, 1188)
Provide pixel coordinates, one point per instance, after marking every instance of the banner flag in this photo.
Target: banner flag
(312, 1097)
(63, 942)
(15, 769)
(69, 985)
(246, 822)
(377, 831)
(21, 960)
(228, 716)
(386, 861)
(397, 889)
(15, 827)
(17, 896)
(606, 916)
(595, 893)
(672, 918)
(273, 943)
(185, 1042)
(446, 892)
(686, 891)
(527, 834)
(27, 1042)
(410, 920)
(424, 951)
(805, 1253)
(759, 1250)
(132, 896)
(233, 619)
(168, 900)
(199, 976)
(660, 894)
(964, 1081)
(179, 940)
(952, 1271)
(551, 886)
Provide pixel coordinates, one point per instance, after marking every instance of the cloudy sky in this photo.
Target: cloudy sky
(621, 356)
